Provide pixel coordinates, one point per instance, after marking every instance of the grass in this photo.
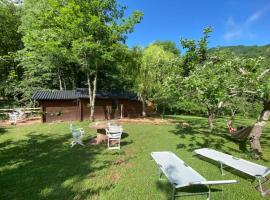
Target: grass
(36, 162)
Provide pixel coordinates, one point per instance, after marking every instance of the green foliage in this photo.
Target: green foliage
(168, 46)
(71, 40)
(249, 52)
(189, 106)
(253, 80)
(208, 81)
(251, 76)
(154, 66)
(206, 76)
(65, 42)
(240, 105)
(196, 52)
(10, 43)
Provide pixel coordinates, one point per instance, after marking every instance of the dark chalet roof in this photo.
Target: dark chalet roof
(82, 93)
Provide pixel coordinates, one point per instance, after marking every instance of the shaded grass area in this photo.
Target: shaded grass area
(36, 161)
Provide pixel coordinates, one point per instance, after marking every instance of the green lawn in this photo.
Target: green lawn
(36, 162)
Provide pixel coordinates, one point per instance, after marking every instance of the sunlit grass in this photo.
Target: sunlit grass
(36, 161)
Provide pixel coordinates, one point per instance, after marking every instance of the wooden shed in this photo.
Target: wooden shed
(71, 105)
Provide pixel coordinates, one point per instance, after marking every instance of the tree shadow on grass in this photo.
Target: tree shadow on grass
(2, 130)
(45, 167)
(198, 135)
(191, 127)
(124, 135)
(124, 143)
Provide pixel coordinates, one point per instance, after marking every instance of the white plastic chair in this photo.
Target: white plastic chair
(114, 133)
(16, 115)
(77, 134)
(13, 118)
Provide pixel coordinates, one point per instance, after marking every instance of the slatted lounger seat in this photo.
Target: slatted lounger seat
(181, 175)
(257, 171)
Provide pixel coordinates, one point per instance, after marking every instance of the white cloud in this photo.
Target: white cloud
(257, 15)
(254, 17)
(233, 34)
(236, 30)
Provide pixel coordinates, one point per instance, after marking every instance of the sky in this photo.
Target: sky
(235, 22)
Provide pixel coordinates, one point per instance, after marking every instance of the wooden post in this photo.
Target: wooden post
(121, 110)
(80, 110)
(43, 110)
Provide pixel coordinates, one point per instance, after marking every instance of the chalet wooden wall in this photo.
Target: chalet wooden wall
(131, 109)
(105, 109)
(60, 110)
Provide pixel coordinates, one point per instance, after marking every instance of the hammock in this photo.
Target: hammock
(241, 134)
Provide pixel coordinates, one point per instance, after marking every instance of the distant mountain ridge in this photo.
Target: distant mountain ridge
(248, 51)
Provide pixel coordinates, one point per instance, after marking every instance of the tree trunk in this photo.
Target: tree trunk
(233, 111)
(60, 81)
(73, 84)
(74, 76)
(64, 83)
(163, 110)
(211, 117)
(256, 132)
(92, 105)
(143, 107)
(122, 111)
(90, 93)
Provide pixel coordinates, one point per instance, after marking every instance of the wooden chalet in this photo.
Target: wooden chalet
(71, 105)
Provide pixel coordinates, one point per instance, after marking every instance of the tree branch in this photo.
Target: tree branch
(263, 74)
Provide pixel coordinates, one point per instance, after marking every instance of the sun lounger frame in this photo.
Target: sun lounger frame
(259, 177)
(191, 170)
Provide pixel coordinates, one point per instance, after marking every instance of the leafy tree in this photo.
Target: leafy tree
(168, 46)
(46, 57)
(203, 75)
(10, 43)
(87, 35)
(253, 81)
(154, 66)
(249, 52)
(102, 30)
(213, 78)
(208, 84)
(196, 52)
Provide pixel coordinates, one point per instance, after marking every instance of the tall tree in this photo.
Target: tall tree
(102, 31)
(208, 84)
(196, 51)
(154, 66)
(10, 43)
(203, 75)
(89, 33)
(169, 46)
(46, 57)
(253, 81)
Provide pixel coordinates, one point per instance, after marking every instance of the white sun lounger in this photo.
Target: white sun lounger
(257, 171)
(181, 175)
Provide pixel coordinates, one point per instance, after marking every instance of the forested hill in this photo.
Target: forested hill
(249, 51)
